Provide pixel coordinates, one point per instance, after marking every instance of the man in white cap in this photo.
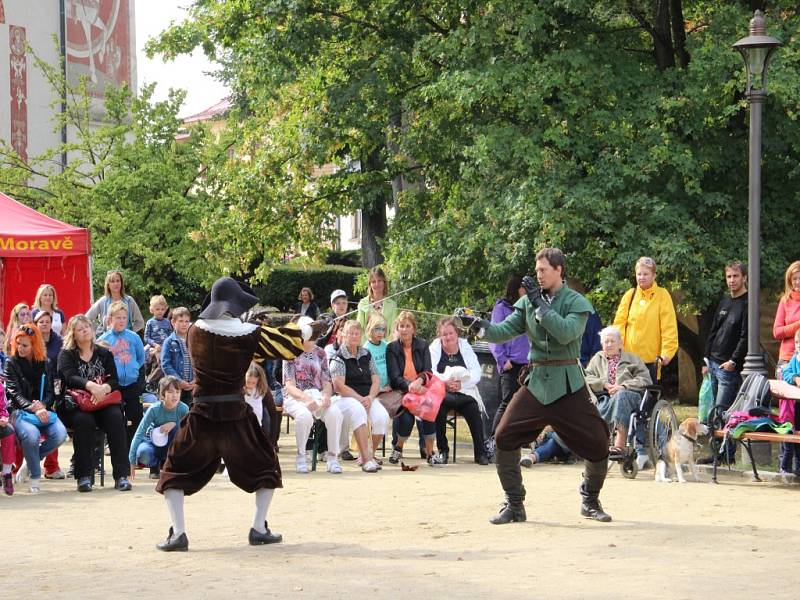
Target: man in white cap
(220, 424)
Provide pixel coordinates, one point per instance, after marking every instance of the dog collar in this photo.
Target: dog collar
(693, 440)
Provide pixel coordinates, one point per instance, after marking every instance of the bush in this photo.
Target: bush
(348, 258)
(285, 282)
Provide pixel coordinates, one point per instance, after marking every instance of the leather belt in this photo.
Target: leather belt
(552, 363)
(220, 398)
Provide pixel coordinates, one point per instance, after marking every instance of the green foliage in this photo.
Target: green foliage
(284, 283)
(517, 125)
(348, 258)
(131, 183)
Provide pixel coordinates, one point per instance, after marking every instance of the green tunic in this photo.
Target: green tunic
(557, 337)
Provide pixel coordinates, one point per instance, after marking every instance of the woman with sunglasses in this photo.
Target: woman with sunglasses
(84, 365)
(29, 391)
(20, 314)
(114, 291)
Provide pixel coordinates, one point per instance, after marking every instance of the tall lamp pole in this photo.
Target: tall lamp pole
(756, 49)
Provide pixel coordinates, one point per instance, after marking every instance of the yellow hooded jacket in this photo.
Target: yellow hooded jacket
(648, 325)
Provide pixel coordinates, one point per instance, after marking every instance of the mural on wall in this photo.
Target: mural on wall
(18, 65)
(98, 42)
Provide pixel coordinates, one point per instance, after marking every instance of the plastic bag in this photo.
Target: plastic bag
(706, 400)
(426, 405)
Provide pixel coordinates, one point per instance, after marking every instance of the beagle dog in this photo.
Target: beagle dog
(680, 451)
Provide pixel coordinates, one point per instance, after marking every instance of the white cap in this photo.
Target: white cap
(158, 437)
(337, 294)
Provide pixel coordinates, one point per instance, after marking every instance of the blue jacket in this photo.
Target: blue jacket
(128, 352)
(172, 358)
(516, 350)
(590, 344)
(791, 370)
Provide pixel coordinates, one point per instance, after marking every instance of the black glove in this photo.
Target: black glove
(322, 326)
(257, 317)
(533, 291)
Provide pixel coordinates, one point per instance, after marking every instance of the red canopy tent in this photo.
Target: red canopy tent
(36, 249)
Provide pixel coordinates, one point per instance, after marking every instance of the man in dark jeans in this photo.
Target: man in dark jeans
(726, 345)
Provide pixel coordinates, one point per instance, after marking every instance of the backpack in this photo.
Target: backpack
(754, 393)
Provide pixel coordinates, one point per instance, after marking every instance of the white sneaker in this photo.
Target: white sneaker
(224, 473)
(334, 466)
(300, 464)
(641, 461)
(34, 489)
(22, 474)
(526, 461)
(370, 467)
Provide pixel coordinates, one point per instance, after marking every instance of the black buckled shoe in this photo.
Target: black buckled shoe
(592, 509)
(510, 512)
(258, 539)
(174, 544)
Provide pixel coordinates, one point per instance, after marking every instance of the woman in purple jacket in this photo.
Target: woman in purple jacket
(511, 356)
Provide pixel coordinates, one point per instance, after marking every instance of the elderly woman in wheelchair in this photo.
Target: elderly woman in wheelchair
(618, 379)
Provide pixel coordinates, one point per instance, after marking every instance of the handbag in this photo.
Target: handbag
(34, 420)
(426, 405)
(85, 404)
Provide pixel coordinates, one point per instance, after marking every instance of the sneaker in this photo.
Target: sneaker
(300, 464)
(155, 473)
(22, 474)
(347, 455)
(34, 489)
(334, 466)
(8, 484)
(435, 460)
(123, 485)
(55, 475)
(396, 456)
(526, 461)
(370, 467)
(642, 461)
(85, 484)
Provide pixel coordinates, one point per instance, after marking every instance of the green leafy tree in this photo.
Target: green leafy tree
(612, 129)
(130, 182)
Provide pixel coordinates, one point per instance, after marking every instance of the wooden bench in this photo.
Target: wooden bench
(755, 436)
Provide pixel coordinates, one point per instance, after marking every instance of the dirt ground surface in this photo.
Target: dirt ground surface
(394, 534)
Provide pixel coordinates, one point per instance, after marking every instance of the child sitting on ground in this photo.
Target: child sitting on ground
(788, 412)
(157, 329)
(157, 428)
(549, 447)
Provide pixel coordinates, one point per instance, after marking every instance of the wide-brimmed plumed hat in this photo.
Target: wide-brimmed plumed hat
(228, 296)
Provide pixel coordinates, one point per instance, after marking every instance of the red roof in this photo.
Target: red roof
(218, 110)
(26, 232)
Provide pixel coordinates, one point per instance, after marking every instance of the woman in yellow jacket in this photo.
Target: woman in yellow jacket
(646, 319)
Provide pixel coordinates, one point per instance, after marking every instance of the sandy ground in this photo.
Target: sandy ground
(421, 534)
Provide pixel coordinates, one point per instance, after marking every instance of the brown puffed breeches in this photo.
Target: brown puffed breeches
(217, 431)
(573, 417)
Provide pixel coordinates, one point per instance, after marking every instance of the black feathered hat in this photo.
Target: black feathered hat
(228, 296)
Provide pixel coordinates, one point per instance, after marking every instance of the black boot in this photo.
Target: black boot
(513, 511)
(594, 475)
(258, 539)
(174, 544)
(510, 513)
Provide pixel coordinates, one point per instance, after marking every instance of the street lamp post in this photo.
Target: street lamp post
(756, 49)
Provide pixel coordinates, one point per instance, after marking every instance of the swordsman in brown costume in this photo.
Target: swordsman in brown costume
(220, 424)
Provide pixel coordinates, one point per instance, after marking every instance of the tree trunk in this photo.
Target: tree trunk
(679, 33)
(373, 215)
(662, 36)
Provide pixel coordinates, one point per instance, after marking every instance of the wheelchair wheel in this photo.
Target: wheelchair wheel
(662, 426)
(629, 468)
